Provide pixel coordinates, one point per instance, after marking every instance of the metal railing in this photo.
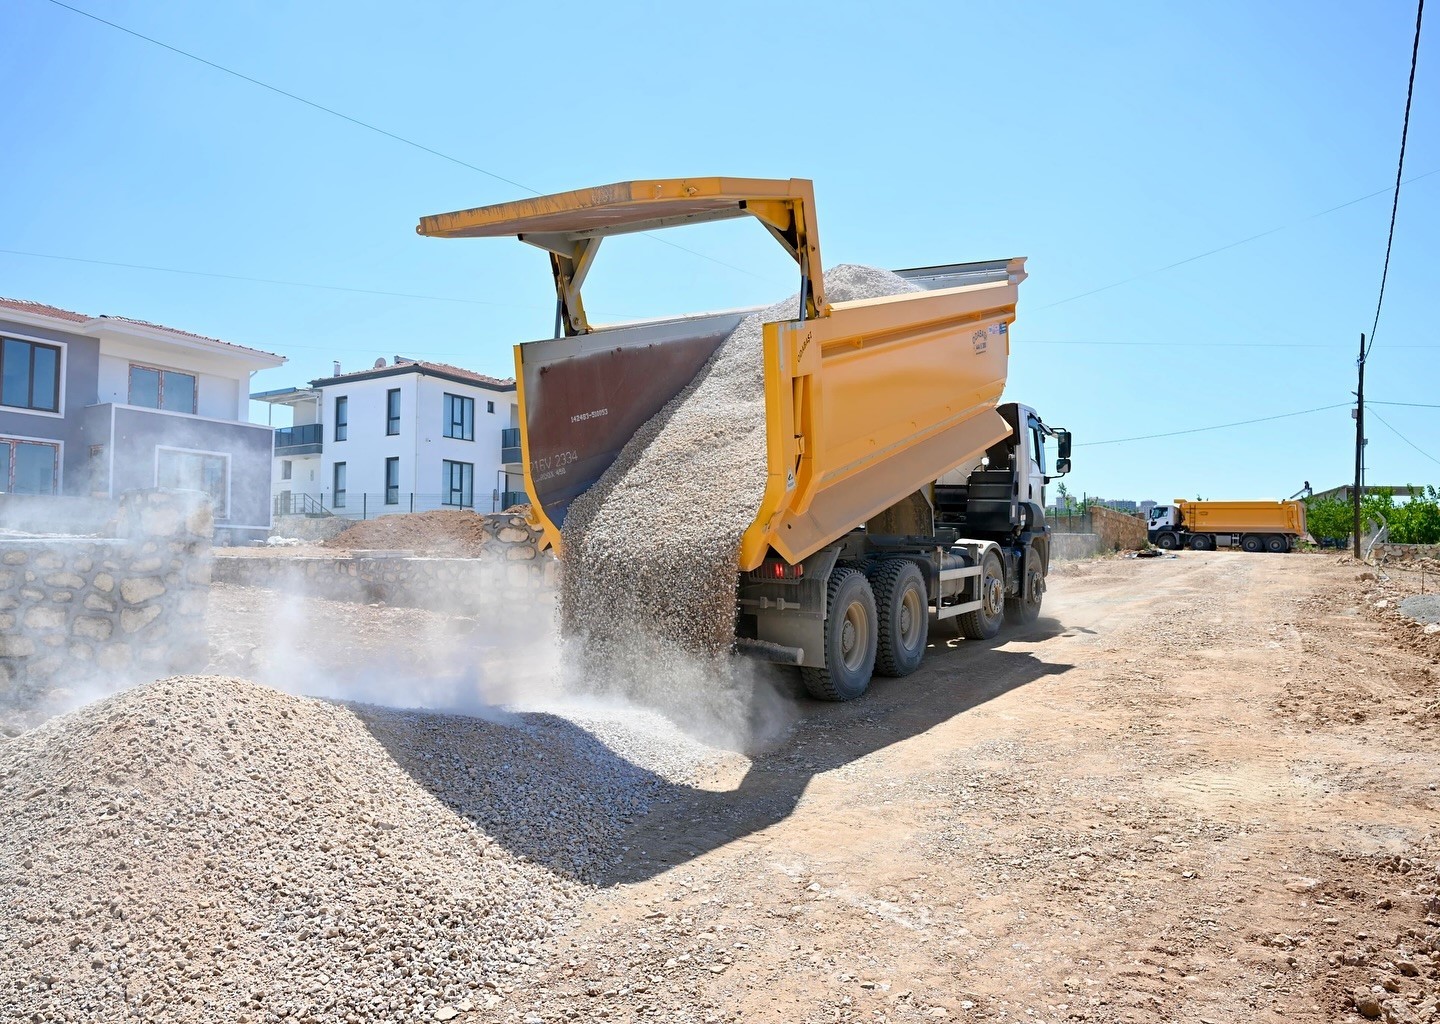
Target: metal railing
(287, 503)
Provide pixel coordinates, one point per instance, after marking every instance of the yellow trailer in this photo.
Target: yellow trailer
(1249, 525)
(869, 405)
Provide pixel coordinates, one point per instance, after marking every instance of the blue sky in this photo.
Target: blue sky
(1102, 141)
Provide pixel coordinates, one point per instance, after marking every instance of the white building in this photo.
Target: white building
(408, 436)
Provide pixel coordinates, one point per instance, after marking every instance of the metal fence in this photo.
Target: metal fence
(371, 504)
(1070, 522)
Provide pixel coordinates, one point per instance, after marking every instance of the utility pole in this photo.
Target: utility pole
(1359, 443)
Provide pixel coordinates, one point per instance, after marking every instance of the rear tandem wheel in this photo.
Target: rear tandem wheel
(850, 639)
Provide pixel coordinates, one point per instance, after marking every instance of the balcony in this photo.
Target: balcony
(306, 439)
(510, 446)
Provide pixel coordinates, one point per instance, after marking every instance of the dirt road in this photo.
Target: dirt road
(1201, 789)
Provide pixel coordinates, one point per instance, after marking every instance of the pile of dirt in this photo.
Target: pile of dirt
(445, 533)
(201, 848)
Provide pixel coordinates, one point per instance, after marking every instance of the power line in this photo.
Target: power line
(1411, 405)
(1231, 245)
(360, 123)
(1217, 426)
(1399, 171)
(262, 280)
(1402, 437)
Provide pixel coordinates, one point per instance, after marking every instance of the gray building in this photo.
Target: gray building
(93, 406)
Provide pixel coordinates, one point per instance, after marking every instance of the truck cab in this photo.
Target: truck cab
(1163, 517)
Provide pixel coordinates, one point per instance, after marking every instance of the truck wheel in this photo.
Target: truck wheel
(1200, 542)
(1024, 608)
(1167, 541)
(1276, 543)
(1252, 543)
(850, 639)
(903, 609)
(984, 622)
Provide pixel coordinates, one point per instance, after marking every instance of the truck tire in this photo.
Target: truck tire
(1201, 542)
(984, 622)
(1276, 543)
(1252, 543)
(1024, 608)
(850, 639)
(1167, 541)
(903, 609)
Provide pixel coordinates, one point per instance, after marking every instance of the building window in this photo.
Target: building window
(460, 417)
(338, 500)
(286, 468)
(28, 467)
(392, 481)
(489, 406)
(30, 375)
(196, 471)
(162, 389)
(342, 418)
(459, 484)
(392, 411)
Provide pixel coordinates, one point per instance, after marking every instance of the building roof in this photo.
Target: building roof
(427, 369)
(95, 322)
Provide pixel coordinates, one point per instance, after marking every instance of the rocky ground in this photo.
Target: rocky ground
(1202, 788)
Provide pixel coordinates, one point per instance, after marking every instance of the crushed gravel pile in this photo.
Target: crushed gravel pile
(444, 533)
(201, 848)
(1423, 608)
(650, 550)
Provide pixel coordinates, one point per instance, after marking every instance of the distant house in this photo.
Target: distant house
(405, 436)
(99, 405)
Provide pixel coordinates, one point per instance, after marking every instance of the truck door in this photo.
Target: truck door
(1032, 461)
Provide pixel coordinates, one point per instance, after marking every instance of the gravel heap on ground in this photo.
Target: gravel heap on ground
(650, 550)
(444, 533)
(201, 848)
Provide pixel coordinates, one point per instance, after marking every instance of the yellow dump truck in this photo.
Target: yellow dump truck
(1248, 525)
(898, 490)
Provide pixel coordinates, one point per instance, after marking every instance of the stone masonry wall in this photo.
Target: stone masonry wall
(106, 611)
(512, 571)
(1118, 531)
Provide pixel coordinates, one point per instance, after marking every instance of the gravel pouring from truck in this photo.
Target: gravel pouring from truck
(878, 513)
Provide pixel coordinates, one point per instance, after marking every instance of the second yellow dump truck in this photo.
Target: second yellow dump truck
(899, 491)
(1248, 525)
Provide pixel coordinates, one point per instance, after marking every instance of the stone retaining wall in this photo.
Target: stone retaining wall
(1118, 531)
(1407, 551)
(106, 611)
(310, 527)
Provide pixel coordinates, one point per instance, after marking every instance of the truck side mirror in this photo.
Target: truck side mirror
(1063, 446)
(1062, 466)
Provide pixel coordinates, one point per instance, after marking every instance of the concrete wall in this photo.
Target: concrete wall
(512, 570)
(102, 612)
(139, 432)
(1069, 546)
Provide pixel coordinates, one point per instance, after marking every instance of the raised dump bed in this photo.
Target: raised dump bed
(865, 401)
